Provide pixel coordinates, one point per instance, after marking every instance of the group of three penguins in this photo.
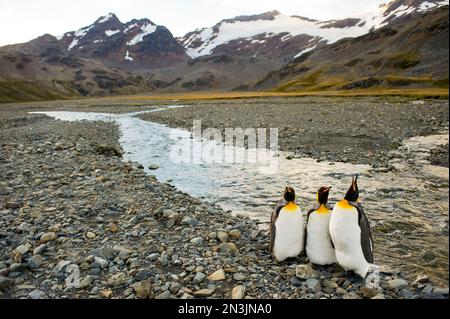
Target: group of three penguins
(340, 235)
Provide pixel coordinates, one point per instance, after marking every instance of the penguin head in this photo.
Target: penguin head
(289, 194)
(322, 195)
(352, 193)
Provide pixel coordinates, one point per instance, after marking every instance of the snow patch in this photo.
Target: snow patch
(110, 33)
(128, 57)
(294, 26)
(105, 18)
(145, 30)
(77, 36)
(134, 25)
(305, 51)
(72, 44)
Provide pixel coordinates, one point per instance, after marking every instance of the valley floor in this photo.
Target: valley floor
(65, 201)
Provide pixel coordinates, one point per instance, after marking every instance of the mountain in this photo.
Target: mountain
(264, 52)
(135, 45)
(407, 52)
(281, 38)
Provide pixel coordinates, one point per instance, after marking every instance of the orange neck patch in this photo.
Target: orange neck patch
(291, 207)
(322, 209)
(344, 204)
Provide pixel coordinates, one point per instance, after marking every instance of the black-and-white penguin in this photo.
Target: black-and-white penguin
(350, 233)
(319, 247)
(287, 227)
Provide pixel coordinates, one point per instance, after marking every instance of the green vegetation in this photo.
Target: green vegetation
(404, 60)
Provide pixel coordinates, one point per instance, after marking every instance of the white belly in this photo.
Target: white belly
(289, 235)
(346, 236)
(319, 248)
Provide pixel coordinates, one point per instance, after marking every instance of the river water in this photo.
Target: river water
(407, 207)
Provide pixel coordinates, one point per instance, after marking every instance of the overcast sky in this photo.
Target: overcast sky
(23, 20)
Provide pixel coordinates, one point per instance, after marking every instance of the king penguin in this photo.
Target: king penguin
(350, 233)
(319, 247)
(287, 228)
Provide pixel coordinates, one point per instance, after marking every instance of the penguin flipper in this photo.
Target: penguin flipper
(273, 220)
(366, 235)
(305, 233)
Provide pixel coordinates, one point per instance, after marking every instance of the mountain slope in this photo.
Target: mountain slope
(411, 51)
(281, 37)
(402, 43)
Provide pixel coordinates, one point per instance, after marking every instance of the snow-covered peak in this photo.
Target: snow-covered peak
(275, 24)
(106, 18)
(145, 30)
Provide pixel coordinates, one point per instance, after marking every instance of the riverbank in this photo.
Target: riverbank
(349, 130)
(66, 199)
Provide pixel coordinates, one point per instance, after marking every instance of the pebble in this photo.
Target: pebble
(48, 237)
(305, 272)
(37, 294)
(117, 280)
(228, 248)
(397, 283)
(142, 288)
(238, 292)
(198, 278)
(204, 292)
(235, 233)
(217, 275)
(223, 236)
(197, 241)
(238, 277)
(165, 295)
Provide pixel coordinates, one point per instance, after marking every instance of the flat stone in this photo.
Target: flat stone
(22, 249)
(48, 237)
(341, 291)
(198, 278)
(39, 250)
(117, 280)
(37, 294)
(439, 290)
(305, 272)
(153, 166)
(6, 283)
(18, 267)
(228, 248)
(238, 292)
(13, 205)
(86, 282)
(90, 235)
(397, 283)
(142, 288)
(313, 284)
(204, 293)
(239, 277)
(165, 295)
(142, 275)
(223, 236)
(367, 292)
(235, 233)
(295, 282)
(197, 241)
(217, 275)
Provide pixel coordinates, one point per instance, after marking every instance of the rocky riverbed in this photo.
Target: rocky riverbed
(350, 130)
(69, 202)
